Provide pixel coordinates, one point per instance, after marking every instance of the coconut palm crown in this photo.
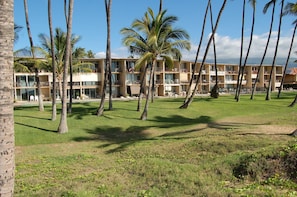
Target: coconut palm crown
(154, 37)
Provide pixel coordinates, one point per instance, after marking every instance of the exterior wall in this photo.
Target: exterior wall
(168, 80)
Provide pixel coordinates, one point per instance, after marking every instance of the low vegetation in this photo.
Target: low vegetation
(217, 147)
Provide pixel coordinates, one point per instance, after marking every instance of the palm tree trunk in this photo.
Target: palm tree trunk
(69, 110)
(63, 127)
(188, 92)
(142, 88)
(107, 74)
(190, 100)
(7, 161)
(240, 70)
(268, 93)
(108, 13)
(40, 100)
(294, 102)
(287, 61)
(145, 110)
(100, 110)
(247, 54)
(54, 104)
(254, 86)
(215, 90)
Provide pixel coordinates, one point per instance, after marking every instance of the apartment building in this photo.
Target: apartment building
(169, 81)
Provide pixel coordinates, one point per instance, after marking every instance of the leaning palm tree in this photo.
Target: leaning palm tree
(268, 92)
(241, 48)
(107, 74)
(52, 51)
(253, 3)
(290, 9)
(270, 3)
(154, 37)
(40, 99)
(7, 161)
(190, 100)
(188, 92)
(214, 93)
(63, 127)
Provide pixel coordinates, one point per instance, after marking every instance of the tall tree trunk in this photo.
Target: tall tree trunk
(268, 93)
(145, 110)
(188, 92)
(108, 13)
(69, 107)
(69, 110)
(63, 127)
(153, 88)
(190, 100)
(40, 99)
(142, 88)
(254, 86)
(215, 90)
(294, 101)
(54, 87)
(240, 71)
(107, 74)
(287, 61)
(7, 162)
(247, 53)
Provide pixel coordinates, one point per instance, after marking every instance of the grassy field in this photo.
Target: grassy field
(217, 147)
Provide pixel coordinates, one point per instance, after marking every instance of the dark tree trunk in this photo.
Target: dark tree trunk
(287, 62)
(214, 93)
(190, 100)
(268, 93)
(188, 92)
(254, 86)
(142, 88)
(54, 87)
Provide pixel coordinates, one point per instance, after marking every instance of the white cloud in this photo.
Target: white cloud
(228, 48)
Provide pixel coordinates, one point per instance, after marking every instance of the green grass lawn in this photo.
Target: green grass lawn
(217, 147)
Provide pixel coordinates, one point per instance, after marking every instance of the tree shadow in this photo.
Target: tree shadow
(123, 138)
(116, 136)
(34, 117)
(39, 128)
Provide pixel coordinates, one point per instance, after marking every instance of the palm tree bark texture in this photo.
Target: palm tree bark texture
(7, 164)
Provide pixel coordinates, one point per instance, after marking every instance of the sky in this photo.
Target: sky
(89, 22)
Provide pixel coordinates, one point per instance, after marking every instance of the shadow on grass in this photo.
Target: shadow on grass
(122, 138)
(39, 128)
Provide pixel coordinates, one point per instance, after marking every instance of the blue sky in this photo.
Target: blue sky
(89, 23)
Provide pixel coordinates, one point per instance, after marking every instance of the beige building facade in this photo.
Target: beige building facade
(169, 81)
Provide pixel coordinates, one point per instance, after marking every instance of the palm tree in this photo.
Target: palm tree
(188, 92)
(240, 71)
(7, 162)
(63, 127)
(59, 51)
(268, 93)
(52, 44)
(154, 37)
(40, 99)
(270, 3)
(190, 100)
(290, 9)
(107, 74)
(253, 3)
(215, 89)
